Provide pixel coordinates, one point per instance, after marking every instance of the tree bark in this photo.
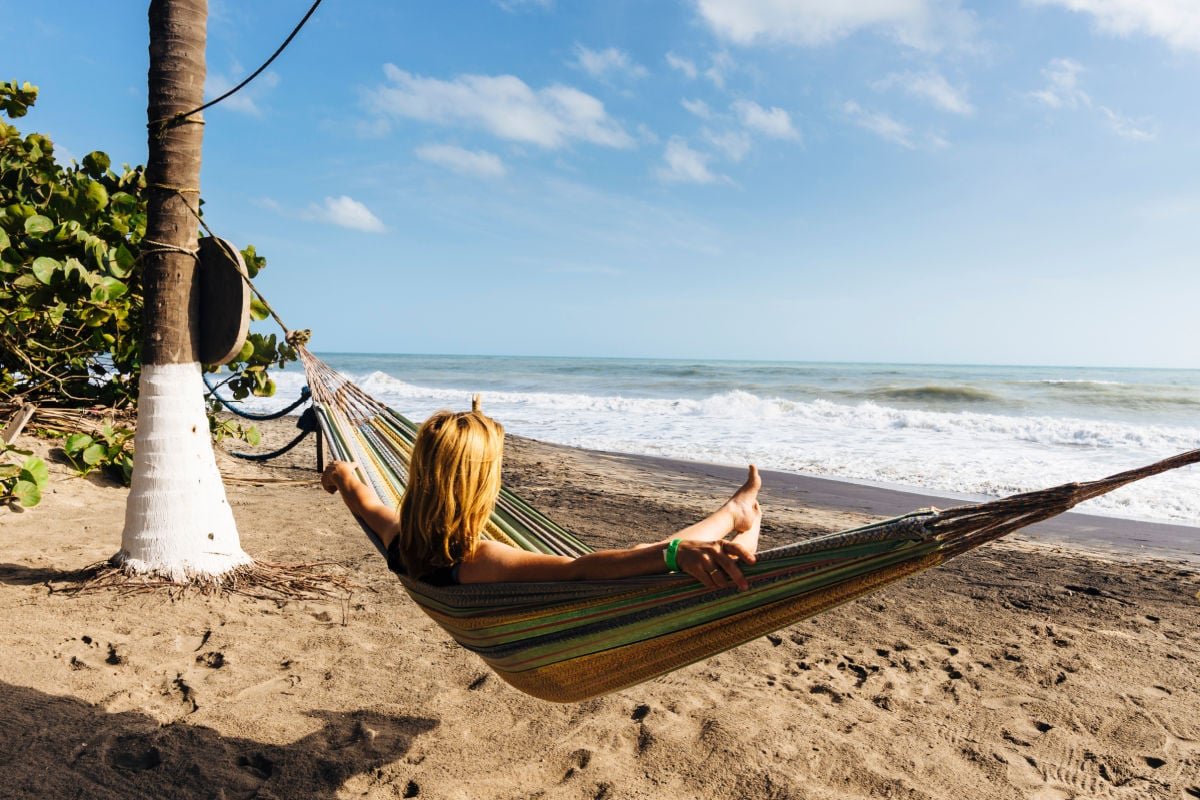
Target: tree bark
(176, 86)
(178, 523)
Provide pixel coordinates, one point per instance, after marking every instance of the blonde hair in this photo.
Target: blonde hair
(453, 483)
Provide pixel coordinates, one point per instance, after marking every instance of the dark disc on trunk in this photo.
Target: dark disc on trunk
(224, 303)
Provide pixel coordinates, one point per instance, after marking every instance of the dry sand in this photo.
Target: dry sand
(1022, 670)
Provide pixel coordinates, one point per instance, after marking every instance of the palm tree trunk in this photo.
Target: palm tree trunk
(178, 523)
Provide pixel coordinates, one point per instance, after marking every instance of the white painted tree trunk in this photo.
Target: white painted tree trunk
(178, 524)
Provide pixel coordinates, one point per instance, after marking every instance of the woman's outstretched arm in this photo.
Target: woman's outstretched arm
(702, 552)
(339, 477)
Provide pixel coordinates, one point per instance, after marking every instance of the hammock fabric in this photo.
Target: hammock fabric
(572, 640)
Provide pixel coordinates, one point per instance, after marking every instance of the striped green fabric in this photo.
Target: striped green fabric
(567, 641)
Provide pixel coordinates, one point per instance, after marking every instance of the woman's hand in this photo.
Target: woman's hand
(715, 564)
(338, 475)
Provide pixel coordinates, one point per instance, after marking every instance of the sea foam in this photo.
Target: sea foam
(962, 452)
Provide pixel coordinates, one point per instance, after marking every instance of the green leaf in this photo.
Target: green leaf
(94, 454)
(95, 197)
(44, 268)
(253, 437)
(4, 240)
(96, 163)
(123, 203)
(56, 313)
(258, 311)
(113, 287)
(254, 262)
(9, 471)
(77, 442)
(246, 351)
(37, 470)
(27, 493)
(121, 262)
(264, 389)
(38, 225)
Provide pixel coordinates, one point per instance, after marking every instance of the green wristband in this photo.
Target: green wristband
(669, 555)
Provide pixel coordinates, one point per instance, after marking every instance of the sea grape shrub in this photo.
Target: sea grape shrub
(70, 300)
(70, 289)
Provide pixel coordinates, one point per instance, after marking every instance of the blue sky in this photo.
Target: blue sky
(898, 180)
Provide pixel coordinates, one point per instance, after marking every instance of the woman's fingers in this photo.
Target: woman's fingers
(327, 477)
(732, 572)
(713, 566)
(695, 559)
(334, 471)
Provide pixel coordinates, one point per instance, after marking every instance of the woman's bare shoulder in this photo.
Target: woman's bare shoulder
(497, 561)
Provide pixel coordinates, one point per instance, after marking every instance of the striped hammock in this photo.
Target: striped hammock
(572, 640)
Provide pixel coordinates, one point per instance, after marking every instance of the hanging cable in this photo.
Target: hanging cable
(175, 118)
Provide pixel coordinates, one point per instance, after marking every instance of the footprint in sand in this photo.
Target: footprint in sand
(214, 659)
(257, 765)
(578, 760)
(130, 754)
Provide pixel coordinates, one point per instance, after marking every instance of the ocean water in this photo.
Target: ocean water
(965, 430)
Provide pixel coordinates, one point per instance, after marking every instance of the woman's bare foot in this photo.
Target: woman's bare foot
(744, 503)
(749, 537)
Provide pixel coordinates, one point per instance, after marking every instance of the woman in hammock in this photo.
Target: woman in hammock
(454, 480)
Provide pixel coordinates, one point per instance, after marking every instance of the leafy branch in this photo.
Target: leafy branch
(70, 285)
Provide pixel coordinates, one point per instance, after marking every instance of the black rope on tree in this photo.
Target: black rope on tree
(182, 117)
(307, 423)
(305, 395)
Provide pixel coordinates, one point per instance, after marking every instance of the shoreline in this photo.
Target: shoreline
(1074, 528)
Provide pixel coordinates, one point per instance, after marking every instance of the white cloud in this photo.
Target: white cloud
(734, 144)
(602, 64)
(1062, 85)
(645, 134)
(245, 101)
(517, 6)
(682, 164)
(697, 108)
(931, 87)
(773, 122)
(347, 213)
(503, 105)
(1126, 128)
(720, 66)
(1176, 22)
(684, 65)
(921, 24)
(880, 124)
(479, 163)
(1062, 91)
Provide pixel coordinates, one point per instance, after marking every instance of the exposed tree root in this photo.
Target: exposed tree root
(261, 581)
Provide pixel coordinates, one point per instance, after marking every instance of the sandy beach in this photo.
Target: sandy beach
(1061, 664)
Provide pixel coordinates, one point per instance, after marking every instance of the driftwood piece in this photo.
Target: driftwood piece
(17, 424)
